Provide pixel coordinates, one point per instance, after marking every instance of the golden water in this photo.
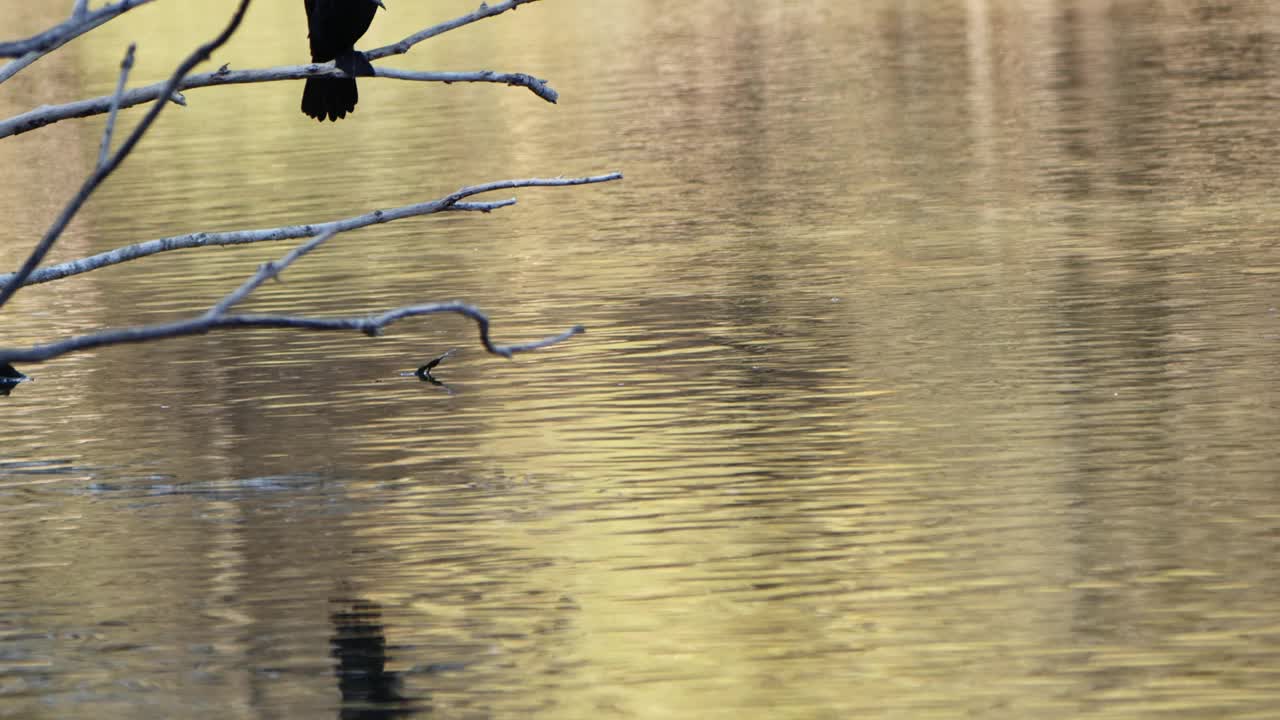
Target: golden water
(930, 372)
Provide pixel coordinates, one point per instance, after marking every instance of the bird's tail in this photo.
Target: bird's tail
(329, 98)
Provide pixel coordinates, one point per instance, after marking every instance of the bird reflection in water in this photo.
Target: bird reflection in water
(10, 377)
(359, 643)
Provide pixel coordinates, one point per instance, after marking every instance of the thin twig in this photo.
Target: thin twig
(235, 237)
(484, 11)
(28, 50)
(537, 86)
(268, 271)
(369, 325)
(79, 23)
(101, 173)
(126, 65)
(451, 202)
(216, 317)
(42, 116)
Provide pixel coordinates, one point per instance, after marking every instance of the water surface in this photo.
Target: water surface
(930, 373)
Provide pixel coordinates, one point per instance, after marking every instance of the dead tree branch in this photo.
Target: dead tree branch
(219, 315)
(371, 325)
(42, 116)
(104, 170)
(268, 271)
(216, 318)
(28, 50)
(104, 153)
(481, 13)
(450, 202)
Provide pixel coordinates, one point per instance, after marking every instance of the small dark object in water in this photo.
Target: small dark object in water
(9, 378)
(424, 372)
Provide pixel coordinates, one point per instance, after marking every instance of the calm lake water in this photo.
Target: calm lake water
(930, 373)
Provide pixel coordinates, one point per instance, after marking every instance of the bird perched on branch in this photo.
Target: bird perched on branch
(334, 27)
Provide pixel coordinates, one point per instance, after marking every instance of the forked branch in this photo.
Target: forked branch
(450, 202)
(113, 161)
(40, 117)
(82, 20)
(219, 315)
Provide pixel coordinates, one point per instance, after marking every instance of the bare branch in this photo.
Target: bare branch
(80, 22)
(484, 11)
(236, 237)
(536, 86)
(101, 173)
(104, 154)
(371, 326)
(28, 50)
(268, 271)
(451, 202)
(40, 117)
(217, 317)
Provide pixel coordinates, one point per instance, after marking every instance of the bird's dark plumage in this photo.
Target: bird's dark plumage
(334, 27)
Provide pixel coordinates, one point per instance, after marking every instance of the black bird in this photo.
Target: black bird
(334, 27)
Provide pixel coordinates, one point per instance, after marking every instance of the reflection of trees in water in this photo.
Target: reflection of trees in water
(369, 690)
